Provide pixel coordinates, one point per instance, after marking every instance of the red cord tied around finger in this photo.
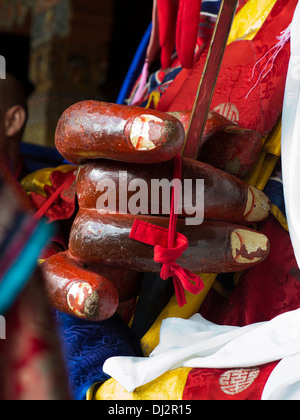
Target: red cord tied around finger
(169, 245)
(183, 278)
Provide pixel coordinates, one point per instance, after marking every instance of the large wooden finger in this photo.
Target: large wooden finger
(214, 247)
(226, 198)
(92, 130)
(84, 292)
(226, 145)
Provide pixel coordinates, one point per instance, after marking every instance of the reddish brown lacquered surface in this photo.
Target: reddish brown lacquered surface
(105, 239)
(225, 196)
(77, 291)
(226, 145)
(230, 147)
(92, 130)
(93, 292)
(85, 292)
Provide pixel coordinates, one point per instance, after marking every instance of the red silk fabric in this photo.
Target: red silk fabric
(245, 384)
(178, 27)
(245, 92)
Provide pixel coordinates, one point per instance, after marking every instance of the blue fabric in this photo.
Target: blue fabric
(135, 67)
(87, 345)
(211, 7)
(161, 85)
(274, 190)
(38, 157)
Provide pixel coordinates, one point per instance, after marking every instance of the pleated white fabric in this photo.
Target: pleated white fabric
(197, 343)
(290, 138)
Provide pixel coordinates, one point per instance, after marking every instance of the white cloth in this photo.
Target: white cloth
(290, 138)
(198, 343)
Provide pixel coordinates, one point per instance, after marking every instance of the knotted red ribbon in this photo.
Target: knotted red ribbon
(169, 245)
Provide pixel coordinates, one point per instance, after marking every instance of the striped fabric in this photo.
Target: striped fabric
(21, 241)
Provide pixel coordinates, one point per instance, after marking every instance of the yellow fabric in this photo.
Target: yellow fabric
(279, 216)
(268, 159)
(36, 181)
(252, 178)
(273, 142)
(249, 19)
(169, 386)
(151, 338)
(270, 163)
(90, 395)
(154, 98)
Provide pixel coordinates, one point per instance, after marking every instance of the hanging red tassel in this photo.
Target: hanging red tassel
(187, 31)
(167, 17)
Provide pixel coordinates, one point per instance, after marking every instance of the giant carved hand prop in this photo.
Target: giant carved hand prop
(103, 263)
